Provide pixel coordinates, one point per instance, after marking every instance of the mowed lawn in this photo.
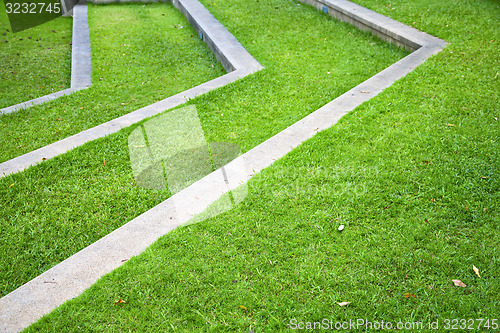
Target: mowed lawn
(54, 209)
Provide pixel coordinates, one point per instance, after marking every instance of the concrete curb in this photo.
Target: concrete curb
(71, 277)
(81, 67)
(382, 26)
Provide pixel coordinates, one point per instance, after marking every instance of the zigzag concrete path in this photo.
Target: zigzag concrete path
(36, 298)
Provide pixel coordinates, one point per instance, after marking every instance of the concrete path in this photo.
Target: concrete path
(71, 277)
(80, 62)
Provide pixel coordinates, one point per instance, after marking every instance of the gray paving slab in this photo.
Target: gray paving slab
(71, 277)
(80, 62)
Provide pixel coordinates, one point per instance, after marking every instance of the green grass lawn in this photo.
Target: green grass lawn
(90, 191)
(140, 56)
(34, 62)
(412, 174)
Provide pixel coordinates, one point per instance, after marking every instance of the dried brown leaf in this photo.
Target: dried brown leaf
(408, 295)
(343, 303)
(119, 302)
(476, 270)
(242, 307)
(459, 283)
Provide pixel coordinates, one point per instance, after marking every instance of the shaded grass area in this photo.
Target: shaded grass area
(412, 174)
(244, 113)
(34, 62)
(145, 53)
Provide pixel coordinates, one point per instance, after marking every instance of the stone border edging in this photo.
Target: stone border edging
(72, 276)
(81, 64)
(81, 61)
(224, 45)
(382, 26)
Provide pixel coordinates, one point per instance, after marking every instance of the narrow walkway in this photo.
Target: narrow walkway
(77, 273)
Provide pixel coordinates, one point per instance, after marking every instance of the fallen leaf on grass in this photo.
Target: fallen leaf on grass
(450, 125)
(242, 307)
(119, 302)
(11, 184)
(459, 283)
(433, 200)
(343, 303)
(407, 295)
(476, 270)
